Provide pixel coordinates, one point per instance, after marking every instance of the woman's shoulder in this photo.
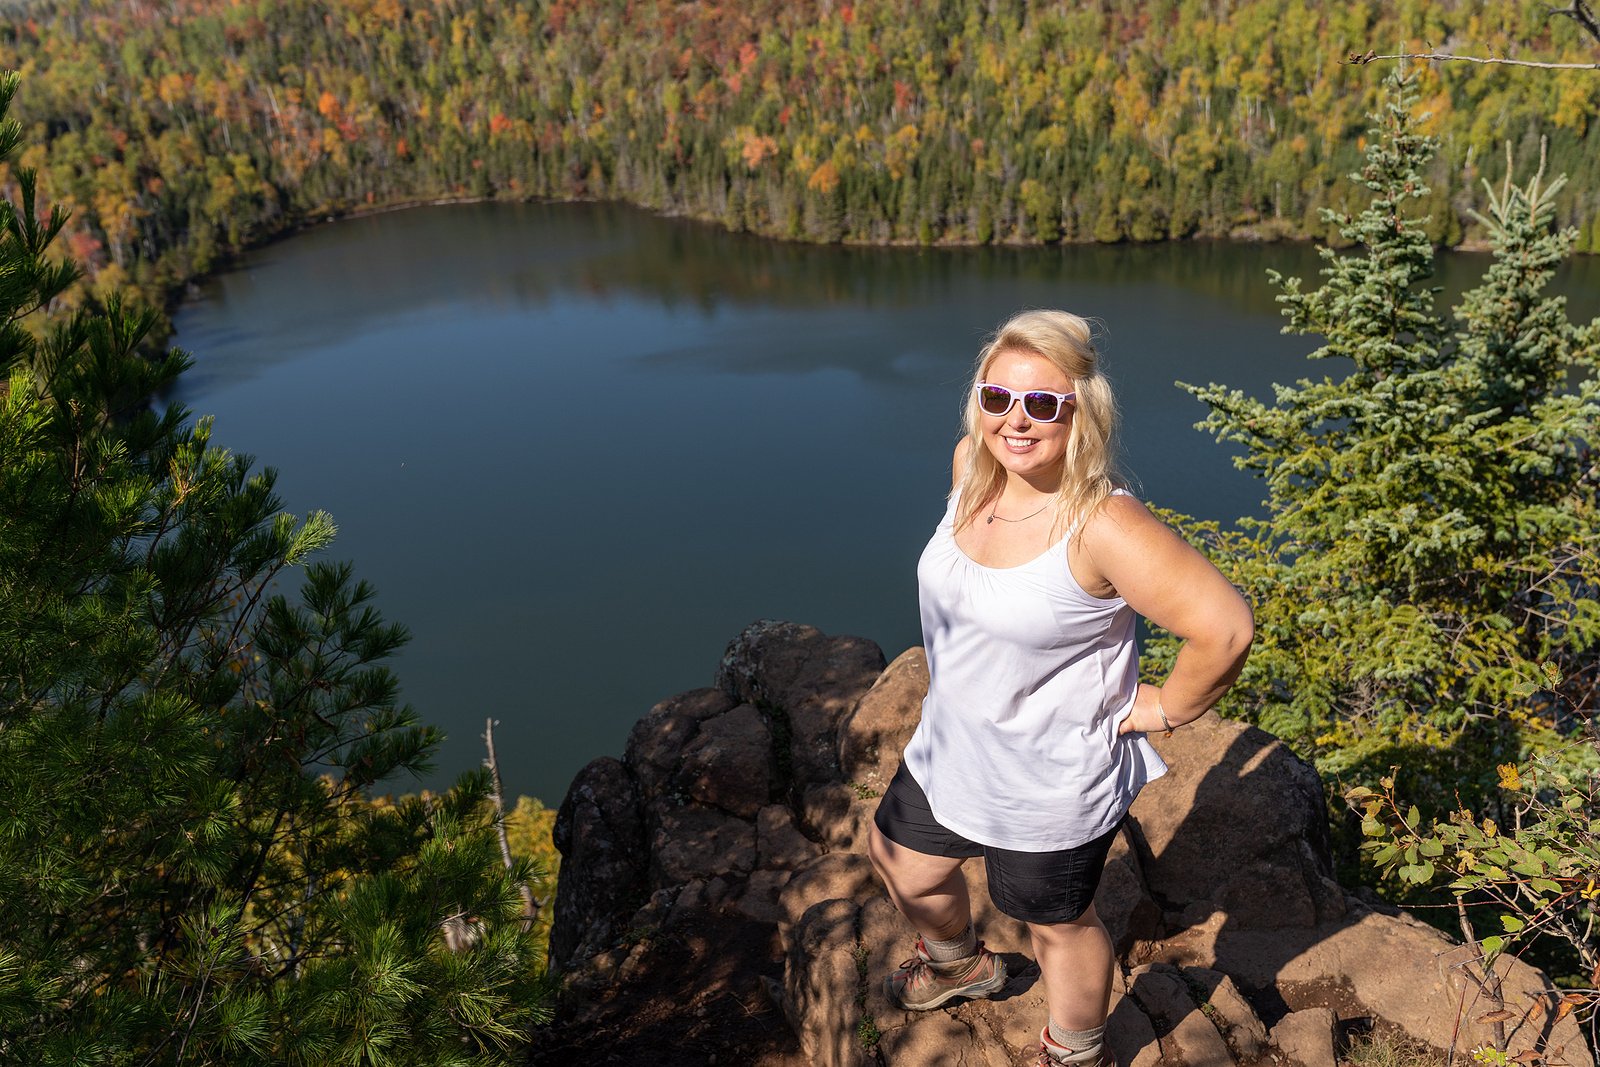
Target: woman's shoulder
(1120, 505)
(958, 462)
(1120, 518)
(1116, 536)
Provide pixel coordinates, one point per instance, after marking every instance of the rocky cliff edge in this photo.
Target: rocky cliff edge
(716, 904)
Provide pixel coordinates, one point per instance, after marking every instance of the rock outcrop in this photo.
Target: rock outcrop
(716, 903)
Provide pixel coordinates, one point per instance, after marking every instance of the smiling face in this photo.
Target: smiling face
(1032, 450)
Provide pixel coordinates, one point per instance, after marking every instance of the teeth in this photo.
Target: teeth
(1019, 442)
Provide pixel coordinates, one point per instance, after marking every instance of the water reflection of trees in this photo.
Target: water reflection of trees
(367, 274)
(684, 262)
(681, 262)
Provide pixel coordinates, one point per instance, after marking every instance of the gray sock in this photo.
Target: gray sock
(958, 948)
(1084, 1046)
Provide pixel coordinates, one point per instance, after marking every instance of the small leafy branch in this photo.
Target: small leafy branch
(1540, 874)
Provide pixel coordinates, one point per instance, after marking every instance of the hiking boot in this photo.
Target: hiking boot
(919, 984)
(1049, 1054)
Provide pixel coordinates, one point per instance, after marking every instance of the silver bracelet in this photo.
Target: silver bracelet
(1163, 713)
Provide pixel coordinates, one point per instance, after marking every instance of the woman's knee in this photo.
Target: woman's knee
(910, 874)
(890, 861)
(1070, 930)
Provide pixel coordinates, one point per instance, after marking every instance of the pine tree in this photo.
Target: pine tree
(190, 867)
(1425, 577)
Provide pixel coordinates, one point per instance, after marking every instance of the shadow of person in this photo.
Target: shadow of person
(1234, 848)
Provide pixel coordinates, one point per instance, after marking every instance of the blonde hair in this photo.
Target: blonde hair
(1088, 469)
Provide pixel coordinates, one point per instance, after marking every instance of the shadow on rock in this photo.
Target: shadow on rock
(716, 903)
(1259, 939)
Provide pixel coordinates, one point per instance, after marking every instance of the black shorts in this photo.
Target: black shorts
(1036, 887)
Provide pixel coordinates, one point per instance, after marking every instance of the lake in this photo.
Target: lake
(577, 448)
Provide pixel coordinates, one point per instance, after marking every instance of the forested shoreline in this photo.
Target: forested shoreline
(178, 133)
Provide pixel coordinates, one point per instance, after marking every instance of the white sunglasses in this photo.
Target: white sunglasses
(1040, 405)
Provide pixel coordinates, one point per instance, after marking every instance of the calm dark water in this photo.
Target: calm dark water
(577, 448)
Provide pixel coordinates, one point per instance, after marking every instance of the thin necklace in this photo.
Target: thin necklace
(1002, 518)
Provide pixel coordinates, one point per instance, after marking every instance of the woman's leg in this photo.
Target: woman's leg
(949, 961)
(1075, 962)
(930, 891)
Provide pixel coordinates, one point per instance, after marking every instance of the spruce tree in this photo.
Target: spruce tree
(1425, 576)
(191, 869)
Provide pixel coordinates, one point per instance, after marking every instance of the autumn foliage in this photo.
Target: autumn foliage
(177, 134)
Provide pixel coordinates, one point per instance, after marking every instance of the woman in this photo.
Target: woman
(1030, 747)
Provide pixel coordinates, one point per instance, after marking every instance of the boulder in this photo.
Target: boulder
(656, 742)
(761, 896)
(875, 733)
(834, 876)
(1232, 1014)
(697, 841)
(838, 815)
(1123, 899)
(810, 679)
(703, 747)
(822, 983)
(1237, 825)
(779, 843)
(1306, 1038)
(1130, 1035)
(1378, 966)
(871, 738)
(599, 831)
(1186, 1034)
(728, 763)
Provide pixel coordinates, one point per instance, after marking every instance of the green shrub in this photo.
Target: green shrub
(190, 869)
(1425, 577)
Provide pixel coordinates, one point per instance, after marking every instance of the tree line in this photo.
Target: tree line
(180, 132)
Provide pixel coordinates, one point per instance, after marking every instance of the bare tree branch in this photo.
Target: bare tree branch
(1580, 13)
(1370, 57)
(530, 907)
(1490, 983)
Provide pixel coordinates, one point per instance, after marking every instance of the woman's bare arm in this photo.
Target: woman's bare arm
(1167, 581)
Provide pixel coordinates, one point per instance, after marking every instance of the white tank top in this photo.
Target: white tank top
(1029, 678)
